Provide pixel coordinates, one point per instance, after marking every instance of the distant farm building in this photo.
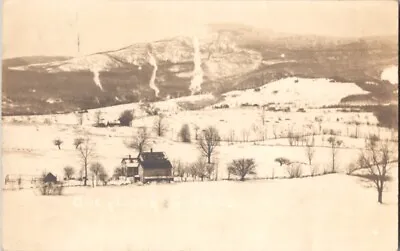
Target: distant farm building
(50, 178)
(148, 166)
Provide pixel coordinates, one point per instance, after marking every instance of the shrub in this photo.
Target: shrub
(47, 121)
(58, 143)
(283, 161)
(51, 188)
(69, 171)
(257, 89)
(294, 170)
(78, 142)
(118, 172)
(242, 167)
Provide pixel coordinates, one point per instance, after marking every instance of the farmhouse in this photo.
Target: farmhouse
(148, 166)
(131, 165)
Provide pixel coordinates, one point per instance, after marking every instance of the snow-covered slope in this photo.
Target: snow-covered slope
(391, 74)
(333, 212)
(299, 91)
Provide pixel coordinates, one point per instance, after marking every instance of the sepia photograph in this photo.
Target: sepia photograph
(199, 125)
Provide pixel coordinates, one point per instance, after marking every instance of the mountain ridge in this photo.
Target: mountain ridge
(230, 59)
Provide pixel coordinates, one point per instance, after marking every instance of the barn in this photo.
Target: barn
(50, 178)
(149, 166)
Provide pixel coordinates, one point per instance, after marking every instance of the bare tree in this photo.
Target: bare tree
(242, 167)
(103, 177)
(179, 169)
(201, 168)
(192, 170)
(291, 136)
(232, 136)
(374, 162)
(274, 130)
(79, 118)
(78, 142)
(58, 143)
(216, 166)
(208, 141)
(262, 116)
(184, 133)
(259, 131)
(97, 168)
(140, 141)
(69, 171)
(245, 135)
(319, 120)
(334, 144)
(160, 125)
(357, 128)
(297, 138)
(86, 153)
(310, 150)
(210, 169)
(19, 181)
(196, 131)
(98, 117)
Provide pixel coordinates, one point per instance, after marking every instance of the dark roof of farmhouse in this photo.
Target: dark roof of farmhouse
(153, 155)
(156, 164)
(154, 160)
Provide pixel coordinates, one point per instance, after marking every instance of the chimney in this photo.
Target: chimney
(129, 156)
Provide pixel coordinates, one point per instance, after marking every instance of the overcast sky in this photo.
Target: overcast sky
(49, 27)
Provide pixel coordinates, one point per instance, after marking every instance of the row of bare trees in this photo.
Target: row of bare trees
(199, 169)
(203, 170)
(97, 170)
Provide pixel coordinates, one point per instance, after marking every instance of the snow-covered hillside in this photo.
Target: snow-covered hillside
(391, 74)
(220, 59)
(300, 92)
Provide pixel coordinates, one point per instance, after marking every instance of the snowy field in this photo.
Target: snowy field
(332, 212)
(301, 91)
